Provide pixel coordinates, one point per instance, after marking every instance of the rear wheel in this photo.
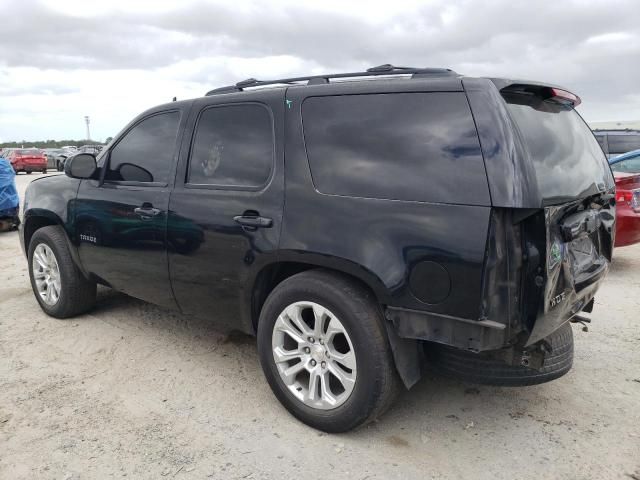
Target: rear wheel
(59, 286)
(324, 351)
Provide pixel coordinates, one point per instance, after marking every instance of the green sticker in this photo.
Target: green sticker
(289, 103)
(555, 256)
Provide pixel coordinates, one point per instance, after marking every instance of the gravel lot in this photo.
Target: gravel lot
(135, 391)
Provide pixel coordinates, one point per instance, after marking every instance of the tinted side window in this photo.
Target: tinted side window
(146, 152)
(404, 146)
(233, 147)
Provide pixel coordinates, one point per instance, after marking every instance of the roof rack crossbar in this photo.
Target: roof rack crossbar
(380, 70)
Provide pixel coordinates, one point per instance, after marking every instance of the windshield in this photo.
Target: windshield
(30, 151)
(567, 159)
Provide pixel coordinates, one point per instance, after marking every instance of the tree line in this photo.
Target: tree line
(49, 143)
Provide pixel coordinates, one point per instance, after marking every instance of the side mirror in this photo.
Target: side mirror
(81, 166)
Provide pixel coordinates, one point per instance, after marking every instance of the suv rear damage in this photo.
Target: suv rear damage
(418, 211)
(550, 238)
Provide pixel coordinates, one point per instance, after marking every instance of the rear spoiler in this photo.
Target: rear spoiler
(543, 91)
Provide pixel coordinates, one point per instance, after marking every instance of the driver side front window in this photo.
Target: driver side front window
(146, 152)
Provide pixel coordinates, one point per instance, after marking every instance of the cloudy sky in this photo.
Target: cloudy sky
(110, 59)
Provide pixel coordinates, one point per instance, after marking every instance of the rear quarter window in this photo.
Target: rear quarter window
(399, 146)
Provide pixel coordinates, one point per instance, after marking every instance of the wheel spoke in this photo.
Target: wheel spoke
(346, 379)
(289, 375)
(319, 315)
(281, 355)
(55, 292)
(333, 328)
(327, 395)
(42, 262)
(285, 327)
(347, 359)
(312, 392)
(294, 313)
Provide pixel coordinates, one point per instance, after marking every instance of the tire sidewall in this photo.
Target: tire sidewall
(357, 407)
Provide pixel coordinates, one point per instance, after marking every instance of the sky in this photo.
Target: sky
(112, 59)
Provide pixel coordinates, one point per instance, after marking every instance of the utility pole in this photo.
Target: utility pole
(86, 120)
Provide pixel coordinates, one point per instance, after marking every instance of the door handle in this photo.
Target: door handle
(147, 211)
(254, 221)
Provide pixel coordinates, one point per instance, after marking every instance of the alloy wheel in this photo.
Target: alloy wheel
(314, 355)
(46, 274)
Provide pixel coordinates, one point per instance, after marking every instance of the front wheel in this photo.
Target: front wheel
(324, 351)
(59, 287)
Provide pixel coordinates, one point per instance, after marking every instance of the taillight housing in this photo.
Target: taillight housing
(630, 198)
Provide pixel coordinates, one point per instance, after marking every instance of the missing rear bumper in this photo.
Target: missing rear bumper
(457, 332)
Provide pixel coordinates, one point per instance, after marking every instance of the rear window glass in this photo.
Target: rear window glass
(403, 146)
(567, 159)
(29, 151)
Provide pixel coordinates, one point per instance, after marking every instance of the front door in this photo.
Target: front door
(121, 219)
(226, 209)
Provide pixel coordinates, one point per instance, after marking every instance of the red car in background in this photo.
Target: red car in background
(27, 160)
(627, 208)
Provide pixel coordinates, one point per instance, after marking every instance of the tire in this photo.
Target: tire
(76, 294)
(376, 380)
(28, 172)
(482, 369)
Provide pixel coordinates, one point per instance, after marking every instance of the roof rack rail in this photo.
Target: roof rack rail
(380, 70)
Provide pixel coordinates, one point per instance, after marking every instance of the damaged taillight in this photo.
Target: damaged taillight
(631, 198)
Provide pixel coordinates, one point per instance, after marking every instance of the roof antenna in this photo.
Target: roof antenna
(174, 99)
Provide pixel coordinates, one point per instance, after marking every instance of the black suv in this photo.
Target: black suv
(362, 225)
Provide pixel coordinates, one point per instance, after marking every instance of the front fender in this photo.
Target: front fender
(49, 201)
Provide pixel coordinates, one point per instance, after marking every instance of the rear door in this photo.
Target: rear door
(226, 209)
